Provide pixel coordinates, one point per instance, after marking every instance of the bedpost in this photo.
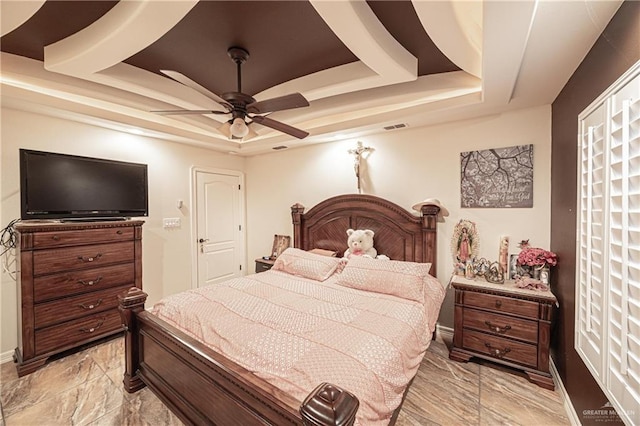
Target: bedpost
(296, 215)
(131, 303)
(329, 405)
(430, 232)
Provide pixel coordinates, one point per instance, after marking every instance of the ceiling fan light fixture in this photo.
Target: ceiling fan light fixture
(239, 128)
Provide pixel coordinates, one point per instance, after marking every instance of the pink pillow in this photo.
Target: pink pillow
(307, 265)
(394, 277)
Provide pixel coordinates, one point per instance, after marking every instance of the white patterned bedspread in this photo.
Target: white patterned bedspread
(297, 333)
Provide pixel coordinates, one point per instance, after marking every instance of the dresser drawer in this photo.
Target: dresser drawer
(76, 282)
(503, 325)
(76, 332)
(500, 348)
(504, 304)
(69, 238)
(83, 257)
(78, 306)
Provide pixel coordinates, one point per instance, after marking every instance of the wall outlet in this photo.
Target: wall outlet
(171, 222)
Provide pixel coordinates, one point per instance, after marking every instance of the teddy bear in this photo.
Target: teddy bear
(360, 243)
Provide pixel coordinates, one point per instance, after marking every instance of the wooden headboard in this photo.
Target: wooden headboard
(399, 234)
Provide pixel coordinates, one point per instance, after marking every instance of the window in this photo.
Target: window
(608, 249)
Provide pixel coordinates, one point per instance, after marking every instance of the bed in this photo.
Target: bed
(203, 385)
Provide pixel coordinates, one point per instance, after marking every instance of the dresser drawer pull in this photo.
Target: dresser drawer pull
(92, 329)
(55, 238)
(119, 232)
(90, 259)
(497, 328)
(498, 353)
(92, 306)
(90, 282)
(498, 303)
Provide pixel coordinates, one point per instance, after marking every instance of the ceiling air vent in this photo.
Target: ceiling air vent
(396, 126)
(279, 147)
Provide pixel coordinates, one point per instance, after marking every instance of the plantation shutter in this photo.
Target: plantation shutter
(592, 246)
(608, 249)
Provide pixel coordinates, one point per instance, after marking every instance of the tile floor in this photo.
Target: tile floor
(85, 388)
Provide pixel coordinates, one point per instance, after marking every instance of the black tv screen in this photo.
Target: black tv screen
(59, 186)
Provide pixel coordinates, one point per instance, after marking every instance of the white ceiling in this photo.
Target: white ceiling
(513, 54)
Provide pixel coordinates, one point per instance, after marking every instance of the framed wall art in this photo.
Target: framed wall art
(497, 178)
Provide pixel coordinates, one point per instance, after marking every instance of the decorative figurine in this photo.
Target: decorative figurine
(464, 242)
(481, 266)
(503, 254)
(469, 273)
(495, 274)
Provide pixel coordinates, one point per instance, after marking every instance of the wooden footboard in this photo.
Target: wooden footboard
(203, 387)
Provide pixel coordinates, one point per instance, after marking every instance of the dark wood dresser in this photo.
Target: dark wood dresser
(503, 324)
(69, 275)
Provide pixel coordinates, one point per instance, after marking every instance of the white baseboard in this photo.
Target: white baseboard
(568, 406)
(444, 332)
(6, 357)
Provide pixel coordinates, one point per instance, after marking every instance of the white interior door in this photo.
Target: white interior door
(219, 234)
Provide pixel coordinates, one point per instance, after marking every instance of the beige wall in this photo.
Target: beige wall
(407, 166)
(166, 252)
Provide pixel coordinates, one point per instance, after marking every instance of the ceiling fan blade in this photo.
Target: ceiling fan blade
(277, 125)
(181, 78)
(294, 100)
(188, 111)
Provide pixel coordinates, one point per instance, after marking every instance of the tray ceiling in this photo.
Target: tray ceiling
(362, 65)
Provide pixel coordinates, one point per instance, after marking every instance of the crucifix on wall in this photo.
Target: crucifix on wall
(359, 154)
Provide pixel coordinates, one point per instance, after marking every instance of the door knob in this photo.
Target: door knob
(203, 240)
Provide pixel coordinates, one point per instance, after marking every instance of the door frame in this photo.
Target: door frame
(194, 218)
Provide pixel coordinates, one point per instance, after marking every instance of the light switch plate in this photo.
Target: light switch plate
(171, 222)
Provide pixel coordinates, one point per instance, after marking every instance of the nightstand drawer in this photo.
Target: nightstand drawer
(500, 348)
(264, 265)
(507, 305)
(502, 325)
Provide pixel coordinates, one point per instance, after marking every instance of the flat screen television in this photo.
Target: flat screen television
(60, 186)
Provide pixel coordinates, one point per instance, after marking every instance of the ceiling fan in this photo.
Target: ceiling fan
(241, 106)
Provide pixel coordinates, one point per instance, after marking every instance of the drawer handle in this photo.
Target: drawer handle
(55, 238)
(498, 303)
(92, 329)
(498, 353)
(92, 306)
(119, 232)
(89, 258)
(90, 282)
(497, 328)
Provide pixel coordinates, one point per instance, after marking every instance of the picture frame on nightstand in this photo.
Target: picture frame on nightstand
(513, 267)
(280, 244)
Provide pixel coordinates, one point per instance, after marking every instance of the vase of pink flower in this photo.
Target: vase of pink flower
(538, 261)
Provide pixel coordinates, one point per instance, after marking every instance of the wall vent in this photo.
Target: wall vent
(279, 147)
(396, 126)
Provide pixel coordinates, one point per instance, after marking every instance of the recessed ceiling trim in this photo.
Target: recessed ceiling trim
(127, 28)
(508, 27)
(457, 29)
(16, 13)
